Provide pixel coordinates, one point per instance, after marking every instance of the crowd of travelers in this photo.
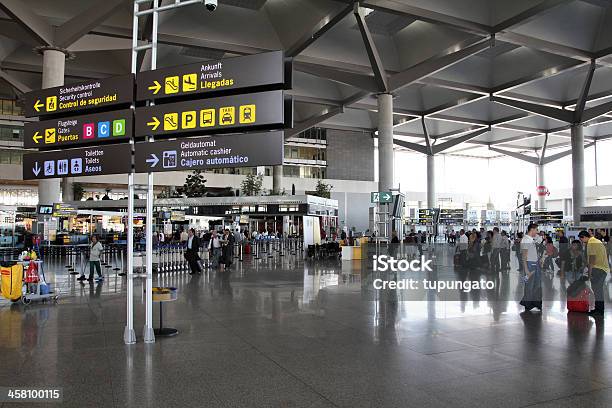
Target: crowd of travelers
(538, 258)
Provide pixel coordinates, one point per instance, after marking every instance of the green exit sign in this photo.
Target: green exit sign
(381, 197)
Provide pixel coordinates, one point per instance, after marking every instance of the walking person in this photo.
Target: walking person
(214, 247)
(497, 244)
(506, 251)
(192, 253)
(598, 268)
(550, 253)
(517, 250)
(95, 250)
(532, 297)
(227, 248)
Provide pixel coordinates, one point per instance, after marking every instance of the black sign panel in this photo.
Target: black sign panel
(100, 128)
(263, 110)
(247, 150)
(92, 161)
(88, 95)
(428, 216)
(253, 72)
(451, 216)
(546, 217)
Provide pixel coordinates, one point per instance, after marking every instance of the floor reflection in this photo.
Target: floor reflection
(318, 333)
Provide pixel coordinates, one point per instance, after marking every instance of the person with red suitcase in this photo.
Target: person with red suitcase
(598, 268)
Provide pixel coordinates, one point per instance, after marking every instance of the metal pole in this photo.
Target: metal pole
(595, 146)
(129, 335)
(148, 333)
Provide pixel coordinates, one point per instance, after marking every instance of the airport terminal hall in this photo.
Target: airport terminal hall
(306, 203)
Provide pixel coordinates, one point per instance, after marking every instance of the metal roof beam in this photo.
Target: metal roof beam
(35, 25)
(560, 155)
(377, 66)
(596, 111)
(83, 23)
(403, 9)
(412, 146)
(543, 151)
(427, 138)
(313, 121)
(584, 94)
(455, 86)
(545, 73)
(529, 159)
(16, 84)
(461, 139)
(458, 132)
(361, 81)
(453, 104)
(513, 139)
(433, 65)
(457, 119)
(528, 14)
(546, 46)
(323, 26)
(558, 114)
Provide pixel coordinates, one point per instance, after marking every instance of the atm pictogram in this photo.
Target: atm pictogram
(247, 114)
(171, 85)
(50, 136)
(207, 117)
(171, 121)
(227, 115)
(190, 82)
(51, 103)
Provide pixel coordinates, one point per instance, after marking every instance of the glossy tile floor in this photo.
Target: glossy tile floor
(281, 332)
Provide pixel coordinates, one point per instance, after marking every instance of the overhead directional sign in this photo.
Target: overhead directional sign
(253, 72)
(97, 128)
(92, 161)
(263, 110)
(246, 150)
(88, 95)
(382, 197)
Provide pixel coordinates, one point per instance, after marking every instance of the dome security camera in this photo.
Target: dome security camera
(211, 5)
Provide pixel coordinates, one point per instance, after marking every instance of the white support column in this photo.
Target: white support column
(54, 63)
(578, 184)
(385, 142)
(431, 181)
(540, 182)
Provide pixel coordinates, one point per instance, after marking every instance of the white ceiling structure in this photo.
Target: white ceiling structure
(477, 75)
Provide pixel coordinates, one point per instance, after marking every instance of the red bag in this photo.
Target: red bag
(579, 303)
(247, 248)
(32, 273)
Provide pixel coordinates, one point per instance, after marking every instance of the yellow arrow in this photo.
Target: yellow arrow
(38, 105)
(37, 136)
(155, 88)
(154, 123)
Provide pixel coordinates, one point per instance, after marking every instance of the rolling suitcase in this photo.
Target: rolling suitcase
(580, 297)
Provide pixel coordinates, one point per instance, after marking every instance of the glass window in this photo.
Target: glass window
(5, 157)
